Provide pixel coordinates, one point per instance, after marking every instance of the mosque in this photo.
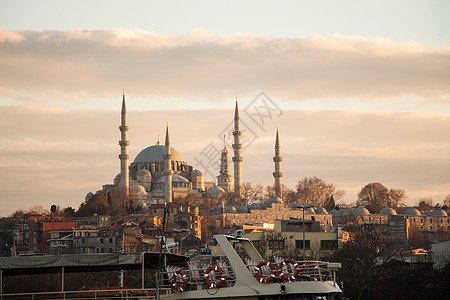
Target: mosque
(159, 174)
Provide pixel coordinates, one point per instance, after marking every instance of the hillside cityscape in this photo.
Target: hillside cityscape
(257, 150)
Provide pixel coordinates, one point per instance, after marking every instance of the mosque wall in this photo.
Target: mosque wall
(277, 211)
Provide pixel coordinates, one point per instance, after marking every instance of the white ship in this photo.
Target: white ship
(243, 274)
(240, 273)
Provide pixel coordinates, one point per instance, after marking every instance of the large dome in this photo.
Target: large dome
(155, 153)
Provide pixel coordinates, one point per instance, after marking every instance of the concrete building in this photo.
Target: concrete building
(399, 226)
(318, 243)
(275, 209)
(33, 232)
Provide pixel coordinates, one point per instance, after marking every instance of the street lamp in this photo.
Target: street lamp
(303, 207)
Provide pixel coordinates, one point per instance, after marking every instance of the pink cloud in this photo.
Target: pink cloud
(202, 65)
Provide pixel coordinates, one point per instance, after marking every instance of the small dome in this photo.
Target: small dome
(310, 210)
(242, 209)
(175, 178)
(178, 178)
(388, 211)
(196, 173)
(439, 213)
(90, 194)
(333, 212)
(254, 206)
(274, 199)
(412, 212)
(137, 189)
(230, 209)
(360, 211)
(215, 190)
(144, 172)
(142, 203)
(321, 210)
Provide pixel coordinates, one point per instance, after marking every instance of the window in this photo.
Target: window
(110, 241)
(299, 244)
(101, 241)
(328, 245)
(276, 244)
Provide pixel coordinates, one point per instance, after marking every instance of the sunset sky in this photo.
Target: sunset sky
(360, 91)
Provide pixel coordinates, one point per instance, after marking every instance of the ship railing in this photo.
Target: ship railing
(307, 270)
(195, 276)
(104, 293)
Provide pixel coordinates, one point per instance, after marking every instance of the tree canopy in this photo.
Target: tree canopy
(375, 196)
(313, 190)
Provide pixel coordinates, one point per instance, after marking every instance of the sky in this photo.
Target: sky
(359, 90)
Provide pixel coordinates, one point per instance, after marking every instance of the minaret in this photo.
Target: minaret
(225, 180)
(278, 174)
(167, 169)
(124, 156)
(237, 159)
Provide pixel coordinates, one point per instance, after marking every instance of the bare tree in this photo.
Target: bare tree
(313, 190)
(289, 195)
(364, 258)
(396, 197)
(315, 250)
(273, 243)
(250, 194)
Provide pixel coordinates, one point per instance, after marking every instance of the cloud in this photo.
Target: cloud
(89, 64)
